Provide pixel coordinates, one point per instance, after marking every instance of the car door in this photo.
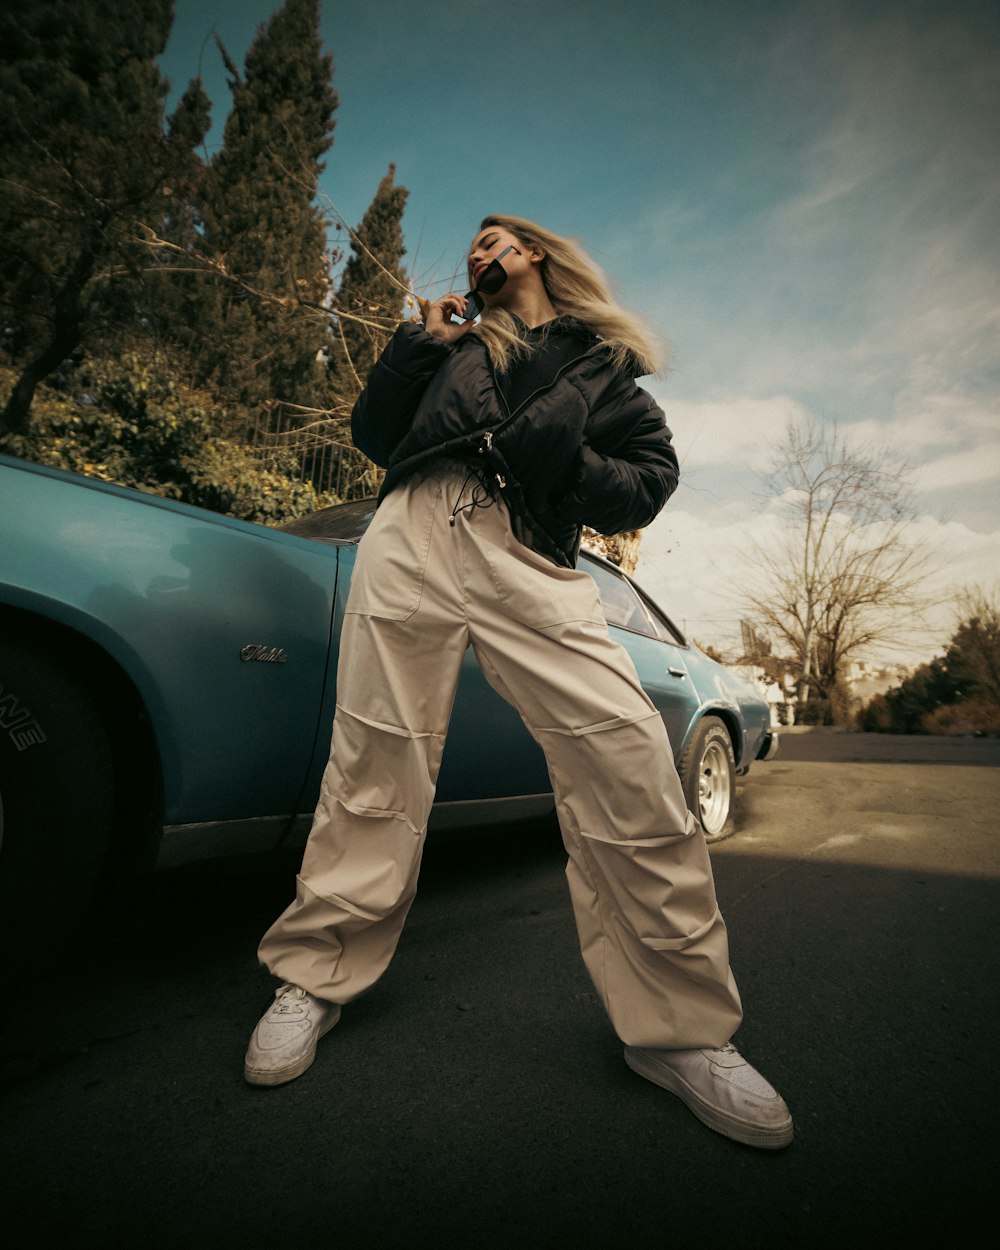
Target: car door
(655, 648)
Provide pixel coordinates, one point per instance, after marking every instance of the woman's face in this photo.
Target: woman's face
(487, 246)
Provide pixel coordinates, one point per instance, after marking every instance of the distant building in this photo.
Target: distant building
(865, 679)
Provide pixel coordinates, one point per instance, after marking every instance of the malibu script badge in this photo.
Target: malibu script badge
(258, 653)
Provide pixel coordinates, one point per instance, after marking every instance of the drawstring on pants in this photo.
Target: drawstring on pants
(481, 495)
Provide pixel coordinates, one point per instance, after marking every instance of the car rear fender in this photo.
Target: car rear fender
(222, 627)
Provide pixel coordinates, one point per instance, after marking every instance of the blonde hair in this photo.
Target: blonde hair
(576, 288)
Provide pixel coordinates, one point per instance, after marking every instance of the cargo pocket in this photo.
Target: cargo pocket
(534, 590)
(389, 570)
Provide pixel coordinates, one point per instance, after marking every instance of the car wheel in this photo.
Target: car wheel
(708, 774)
(56, 802)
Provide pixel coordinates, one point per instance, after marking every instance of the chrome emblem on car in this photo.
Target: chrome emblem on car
(260, 654)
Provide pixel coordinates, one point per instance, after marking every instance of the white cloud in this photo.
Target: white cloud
(693, 568)
(720, 433)
(943, 443)
(947, 440)
(963, 468)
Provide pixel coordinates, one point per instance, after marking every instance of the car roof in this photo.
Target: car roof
(342, 522)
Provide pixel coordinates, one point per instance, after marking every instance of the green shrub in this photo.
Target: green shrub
(904, 708)
(129, 421)
(815, 712)
(972, 716)
(876, 716)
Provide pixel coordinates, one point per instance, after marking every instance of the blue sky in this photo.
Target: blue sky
(803, 198)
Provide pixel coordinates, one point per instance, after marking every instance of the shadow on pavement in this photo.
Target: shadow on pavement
(478, 1097)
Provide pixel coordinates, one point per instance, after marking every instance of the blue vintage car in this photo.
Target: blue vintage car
(167, 683)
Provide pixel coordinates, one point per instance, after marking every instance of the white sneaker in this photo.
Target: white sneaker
(722, 1090)
(283, 1044)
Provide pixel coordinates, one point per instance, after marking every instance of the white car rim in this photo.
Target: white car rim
(713, 787)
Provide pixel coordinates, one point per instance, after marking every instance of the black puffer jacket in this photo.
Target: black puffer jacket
(591, 448)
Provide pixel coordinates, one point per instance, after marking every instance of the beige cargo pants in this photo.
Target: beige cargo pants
(640, 881)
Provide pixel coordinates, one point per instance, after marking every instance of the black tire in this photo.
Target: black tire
(56, 802)
(708, 775)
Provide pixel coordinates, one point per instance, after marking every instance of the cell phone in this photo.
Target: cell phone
(473, 306)
(490, 281)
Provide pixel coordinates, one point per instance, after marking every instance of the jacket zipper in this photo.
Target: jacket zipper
(488, 434)
(488, 446)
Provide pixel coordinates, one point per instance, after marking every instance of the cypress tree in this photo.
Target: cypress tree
(83, 155)
(171, 298)
(261, 221)
(373, 286)
(368, 306)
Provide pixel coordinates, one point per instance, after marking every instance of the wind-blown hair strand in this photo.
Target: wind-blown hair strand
(577, 288)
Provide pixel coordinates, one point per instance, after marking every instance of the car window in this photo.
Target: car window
(622, 606)
(627, 607)
(666, 629)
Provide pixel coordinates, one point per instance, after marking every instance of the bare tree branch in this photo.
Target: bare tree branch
(844, 571)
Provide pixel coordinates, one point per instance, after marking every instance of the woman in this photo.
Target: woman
(500, 439)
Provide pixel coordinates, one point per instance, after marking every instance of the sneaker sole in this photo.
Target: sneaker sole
(281, 1076)
(721, 1121)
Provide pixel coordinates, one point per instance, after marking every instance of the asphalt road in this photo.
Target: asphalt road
(477, 1097)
